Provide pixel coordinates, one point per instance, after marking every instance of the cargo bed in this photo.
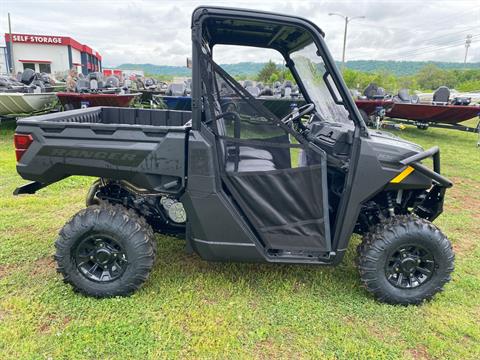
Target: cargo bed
(142, 146)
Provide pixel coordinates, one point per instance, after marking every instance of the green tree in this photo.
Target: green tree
(267, 71)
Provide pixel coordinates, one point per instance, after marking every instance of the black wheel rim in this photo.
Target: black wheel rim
(409, 267)
(100, 258)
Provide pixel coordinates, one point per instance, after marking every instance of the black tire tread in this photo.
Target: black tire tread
(375, 242)
(139, 232)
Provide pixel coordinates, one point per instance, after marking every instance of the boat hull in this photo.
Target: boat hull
(370, 106)
(76, 100)
(24, 103)
(445, 114)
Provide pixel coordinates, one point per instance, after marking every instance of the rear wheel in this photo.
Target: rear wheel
(105, 250)
(405, 260)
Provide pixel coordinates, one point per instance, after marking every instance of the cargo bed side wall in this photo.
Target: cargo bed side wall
(150, 157)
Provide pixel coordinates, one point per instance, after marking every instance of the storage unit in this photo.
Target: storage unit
(50, 54)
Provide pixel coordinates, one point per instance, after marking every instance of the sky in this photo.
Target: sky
(158, 32)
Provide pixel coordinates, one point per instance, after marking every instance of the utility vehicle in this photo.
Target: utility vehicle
(239, 183)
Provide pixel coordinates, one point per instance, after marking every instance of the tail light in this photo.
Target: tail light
(22, 142)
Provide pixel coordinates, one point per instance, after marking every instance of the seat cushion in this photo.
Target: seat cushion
(245, 165)
(247, 152)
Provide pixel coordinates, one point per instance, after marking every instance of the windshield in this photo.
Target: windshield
(311, 69)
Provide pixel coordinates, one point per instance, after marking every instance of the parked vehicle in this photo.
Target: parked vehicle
(30, 93)
(74, 100)
(96, 90)
(229, 178)
(442, 111)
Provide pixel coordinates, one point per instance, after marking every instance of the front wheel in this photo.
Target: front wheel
(105, 250)
(405, 260)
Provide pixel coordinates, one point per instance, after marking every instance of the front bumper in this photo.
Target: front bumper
(432, 205)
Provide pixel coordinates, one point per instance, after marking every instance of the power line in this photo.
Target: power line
(435, 49)
(429, 48)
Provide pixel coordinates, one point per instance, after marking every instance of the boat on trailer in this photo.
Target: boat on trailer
(95, 90)
(440, 112)
(71, 100)
(16, 103)
(29, 93)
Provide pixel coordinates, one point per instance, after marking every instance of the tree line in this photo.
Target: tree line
(428, 78)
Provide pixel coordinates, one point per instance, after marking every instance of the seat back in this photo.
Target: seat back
(441, 95)
(370, 91)
(404, 96)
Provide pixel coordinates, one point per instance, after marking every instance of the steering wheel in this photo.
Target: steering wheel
(301, 112)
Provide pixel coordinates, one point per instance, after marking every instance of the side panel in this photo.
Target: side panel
(151, 158)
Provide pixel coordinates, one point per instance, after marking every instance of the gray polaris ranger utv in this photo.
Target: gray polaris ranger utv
(239, 183)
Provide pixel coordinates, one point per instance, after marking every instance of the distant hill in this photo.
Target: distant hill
(403, 67)
(243, 68)
(252, 68)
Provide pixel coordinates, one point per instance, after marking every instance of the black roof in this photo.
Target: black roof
(254, 28)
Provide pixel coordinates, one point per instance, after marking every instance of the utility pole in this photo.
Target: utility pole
(347, 20)
(12, 63)
(468, 41)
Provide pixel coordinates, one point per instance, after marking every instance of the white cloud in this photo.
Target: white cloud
(158, 32)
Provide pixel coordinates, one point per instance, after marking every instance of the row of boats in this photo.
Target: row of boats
(31, 92)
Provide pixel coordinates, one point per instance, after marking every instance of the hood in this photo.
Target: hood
(390, 147)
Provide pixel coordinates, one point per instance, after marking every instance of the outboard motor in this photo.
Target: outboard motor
(295, 91)
(441, 95)
(82, 85)
(253, 90)
(96, 80)
(287, 88)
(266, 91)
(28, 76)
(176, 90)
(4, 82)
(459, 100)
(149, 83)
(112, 82)
(277, 88)
(37, 85)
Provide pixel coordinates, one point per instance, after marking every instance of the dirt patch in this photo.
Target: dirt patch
(4, 314)
(50, 321)
(466, 196)
(265, 349)
(467, 193)
(43, 265)
(5, 270)
(45, 325)
(420, 352)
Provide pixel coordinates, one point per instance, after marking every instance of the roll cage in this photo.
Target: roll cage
(286, 34)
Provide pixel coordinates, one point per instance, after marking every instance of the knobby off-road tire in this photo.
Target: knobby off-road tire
(405, 260)
(105, 250)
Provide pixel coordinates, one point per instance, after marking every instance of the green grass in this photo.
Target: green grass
(190, 308)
